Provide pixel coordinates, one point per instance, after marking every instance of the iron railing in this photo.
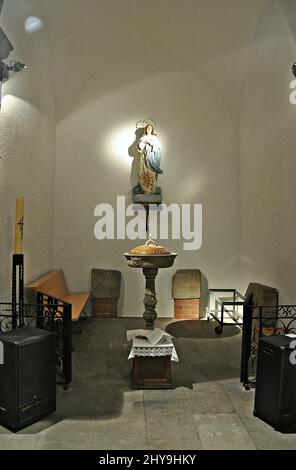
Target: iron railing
(258, 321)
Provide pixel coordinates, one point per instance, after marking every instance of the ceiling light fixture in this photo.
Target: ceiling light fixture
(5, 49)
(14, 66)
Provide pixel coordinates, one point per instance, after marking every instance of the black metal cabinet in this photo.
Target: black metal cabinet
(27, 377)
(275, 397)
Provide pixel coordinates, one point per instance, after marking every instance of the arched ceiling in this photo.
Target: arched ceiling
(117, 42)
(289, 10)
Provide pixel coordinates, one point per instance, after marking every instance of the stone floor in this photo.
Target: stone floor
(208, 409)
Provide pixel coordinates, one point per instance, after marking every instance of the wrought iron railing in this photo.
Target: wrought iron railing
(258, 321)
(49, 314)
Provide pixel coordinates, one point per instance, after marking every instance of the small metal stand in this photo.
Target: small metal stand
(146, 200)
(17, 297)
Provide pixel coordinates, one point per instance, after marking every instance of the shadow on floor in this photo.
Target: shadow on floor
(101, 370)
(199, 329)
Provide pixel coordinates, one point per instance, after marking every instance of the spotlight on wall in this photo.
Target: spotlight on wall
(294, 69)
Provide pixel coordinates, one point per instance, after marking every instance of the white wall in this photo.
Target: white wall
(215, 79)
(199, 165)
(185, 70)
(267, 163)
(27, 146)
(198, 130)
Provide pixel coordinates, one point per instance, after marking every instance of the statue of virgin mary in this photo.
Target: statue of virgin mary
(150, 159)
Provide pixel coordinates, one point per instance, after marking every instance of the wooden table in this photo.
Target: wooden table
(152, 364)
(151, 373)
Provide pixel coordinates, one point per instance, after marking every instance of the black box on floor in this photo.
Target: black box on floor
(27, 377)
(275, 396)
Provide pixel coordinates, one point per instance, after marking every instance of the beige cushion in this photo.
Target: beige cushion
(186, 284)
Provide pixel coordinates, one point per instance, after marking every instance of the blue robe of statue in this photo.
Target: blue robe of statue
(151, 149)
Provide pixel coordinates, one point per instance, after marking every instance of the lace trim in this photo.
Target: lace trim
(167, 351)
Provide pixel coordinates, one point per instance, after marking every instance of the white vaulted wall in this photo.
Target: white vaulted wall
(214, 75)
(267, 163)
(92, 168)
(27, 146)
(181, 64)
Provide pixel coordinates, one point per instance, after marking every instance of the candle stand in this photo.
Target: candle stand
(17, 291)
(17, 297)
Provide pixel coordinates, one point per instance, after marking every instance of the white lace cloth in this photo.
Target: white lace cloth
(142, 347)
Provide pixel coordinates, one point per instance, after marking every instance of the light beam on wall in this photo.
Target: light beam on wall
(121, 144)
(117, 145)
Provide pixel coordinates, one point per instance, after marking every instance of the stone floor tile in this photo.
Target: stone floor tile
(169, 424)
(165, 395)
(120, 434)
(45, 444)
(209, 397)
(176, 443)
(18, 442)
(120, 443)
(223, 432)
(273, 440)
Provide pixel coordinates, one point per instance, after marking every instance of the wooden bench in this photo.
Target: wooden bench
(54, 285)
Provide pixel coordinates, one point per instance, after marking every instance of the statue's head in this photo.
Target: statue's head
(149, 130)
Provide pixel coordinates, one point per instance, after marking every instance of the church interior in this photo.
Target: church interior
(157, 136)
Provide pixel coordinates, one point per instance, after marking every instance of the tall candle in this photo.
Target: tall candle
(19, 225)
